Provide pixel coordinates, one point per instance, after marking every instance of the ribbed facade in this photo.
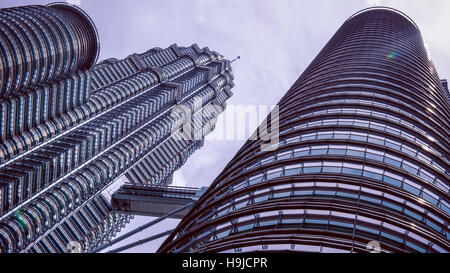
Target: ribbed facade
(363, 156)
(43, 44)
(445, 86)
(62, 153)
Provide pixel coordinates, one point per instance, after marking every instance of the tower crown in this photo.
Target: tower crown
(44, 44)
(382, 8)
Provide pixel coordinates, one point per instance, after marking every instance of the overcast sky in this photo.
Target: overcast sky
(276, 40)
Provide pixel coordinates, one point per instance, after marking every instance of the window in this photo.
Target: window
(303, 193)
(426, 175)
(291, 172)
(308, 137)
(372, 173)
(261, 198)
(326, 135)
(367, 232)
(359, 137)
(330, 122)
(292, 222)
(281, 195)
(301, 152)
(332, 167)
(394, 145)
(345, 195)
(410, 151)
(356, 151)
(389, 205)
(392, 181)
(315, 224)
(409, 167)
(342, 135)
(268, 223)
(337, 149)
(345, 122)
(341, 226)
(374, 155)
(255, 179)
(433, 225)
(285, 155)
(313, 167)
(376, 140)
(411, 189)
(391, 239)
(413, 215)
(324, 193)
(352, 169)
(320, 150)
(415, 247)
(371, 200)
(393, 160)
(430, 199)
(274, 173)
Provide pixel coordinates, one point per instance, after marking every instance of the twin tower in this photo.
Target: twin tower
(362, 159)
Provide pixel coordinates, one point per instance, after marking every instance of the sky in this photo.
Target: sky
(276, 40)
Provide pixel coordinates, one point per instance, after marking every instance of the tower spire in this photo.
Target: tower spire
(238, 57)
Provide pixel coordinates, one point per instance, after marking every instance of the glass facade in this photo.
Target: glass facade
(445, 86)
(43, 44)
(66, 143)
(363, 156)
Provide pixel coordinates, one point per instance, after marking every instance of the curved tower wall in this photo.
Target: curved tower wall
(44, 44)
(363, 156)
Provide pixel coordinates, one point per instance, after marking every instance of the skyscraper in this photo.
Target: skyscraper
(445, 86)
(70, 128)
(362, 163)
